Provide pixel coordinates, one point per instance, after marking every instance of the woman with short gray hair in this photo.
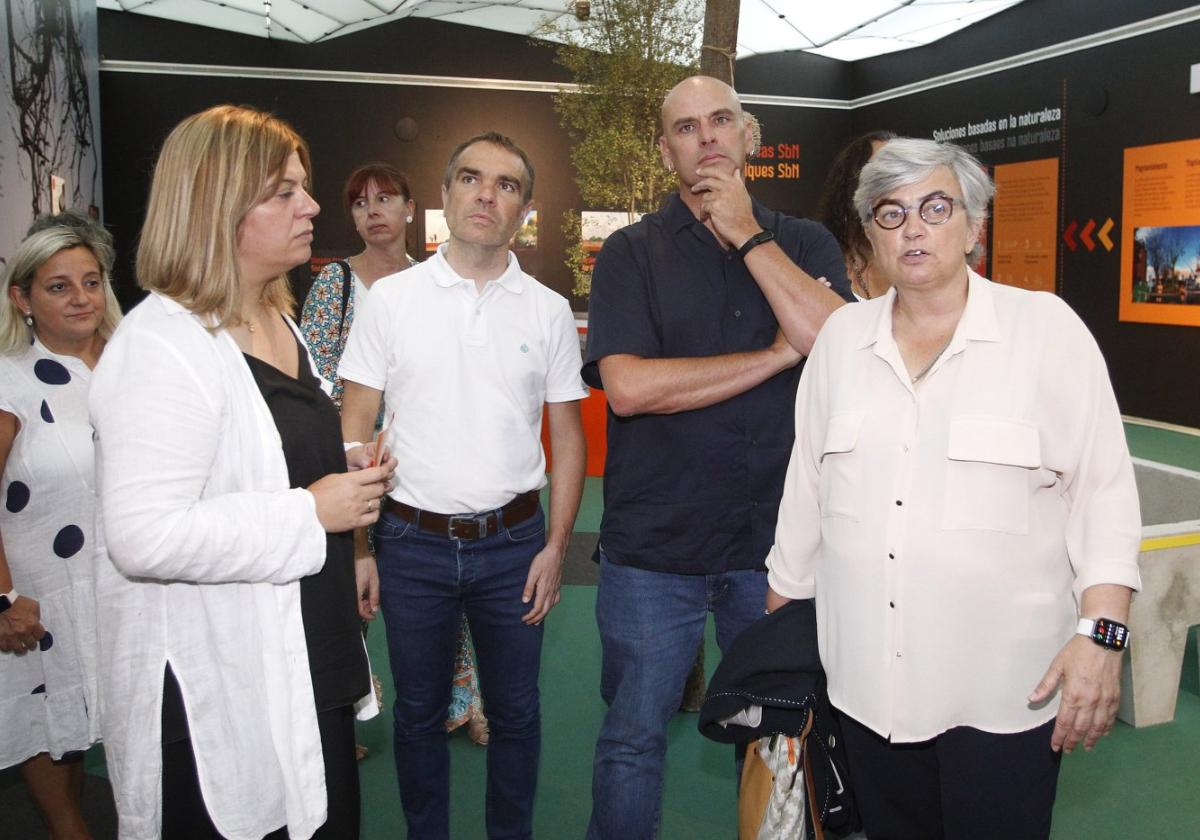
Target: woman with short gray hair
(961, 504)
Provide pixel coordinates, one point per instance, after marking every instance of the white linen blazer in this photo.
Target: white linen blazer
(201, 545)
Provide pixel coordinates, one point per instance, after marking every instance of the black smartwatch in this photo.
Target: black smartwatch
(754, 241)
(7, 599)
(1109, 634)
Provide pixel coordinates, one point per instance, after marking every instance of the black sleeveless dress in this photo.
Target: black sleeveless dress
(310, 431)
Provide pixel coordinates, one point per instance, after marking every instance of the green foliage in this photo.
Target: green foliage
(572, 230)
(624, 59)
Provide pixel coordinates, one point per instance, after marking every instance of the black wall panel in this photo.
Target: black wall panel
(1128, 93)
(819, 132)
(344, 124)
(795, 73)
(347, 124)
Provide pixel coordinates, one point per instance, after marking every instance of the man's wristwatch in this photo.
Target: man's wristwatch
(1109, 634)
(7, 599)
(754, 241)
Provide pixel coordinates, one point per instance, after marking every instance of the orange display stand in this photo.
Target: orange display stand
(594, 410)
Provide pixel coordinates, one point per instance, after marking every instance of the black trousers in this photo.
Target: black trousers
(965, 784)
(186, 818)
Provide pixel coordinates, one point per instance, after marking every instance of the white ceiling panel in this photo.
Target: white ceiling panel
(854, 48)
(822, 21)
(348, 11)
(201, 13)
(310, 25)
(904, 22)
(848, 30)
(760, 29)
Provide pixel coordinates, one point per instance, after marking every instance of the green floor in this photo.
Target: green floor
(1166, 445)
(699, 791)
(1135, 784)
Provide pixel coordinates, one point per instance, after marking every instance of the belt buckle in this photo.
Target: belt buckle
(480, 523)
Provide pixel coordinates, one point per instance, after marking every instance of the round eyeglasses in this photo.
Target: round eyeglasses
(935, 210)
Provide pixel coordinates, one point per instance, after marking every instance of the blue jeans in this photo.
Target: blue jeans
(426, 583)
(651, 624)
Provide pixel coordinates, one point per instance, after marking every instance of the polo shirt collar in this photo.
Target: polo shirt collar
(978, 321)
(512, 280)
(680, 216)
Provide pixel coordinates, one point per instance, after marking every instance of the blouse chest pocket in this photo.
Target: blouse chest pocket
(841, 467)
(989, 473)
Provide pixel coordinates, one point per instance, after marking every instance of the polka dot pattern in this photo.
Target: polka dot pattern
(47, 511)
(68, 541)
(51, 372)
(18, 497)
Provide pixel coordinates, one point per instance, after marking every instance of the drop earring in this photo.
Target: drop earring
(29, 319)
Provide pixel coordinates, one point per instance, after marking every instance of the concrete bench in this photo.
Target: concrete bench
(1168, 606)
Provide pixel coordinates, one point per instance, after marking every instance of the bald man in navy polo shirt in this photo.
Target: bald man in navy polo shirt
(699, 318)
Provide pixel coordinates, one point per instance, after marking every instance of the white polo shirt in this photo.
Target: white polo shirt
(466, 375)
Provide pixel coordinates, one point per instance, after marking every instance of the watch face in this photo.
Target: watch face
(4, 603)
(1111, 634)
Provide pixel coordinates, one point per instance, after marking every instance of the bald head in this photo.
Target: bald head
(706, 93)
(703, 126)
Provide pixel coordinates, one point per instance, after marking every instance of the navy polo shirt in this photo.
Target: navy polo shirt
(696, 492)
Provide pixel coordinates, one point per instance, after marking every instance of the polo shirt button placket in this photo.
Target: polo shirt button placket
(475, 331)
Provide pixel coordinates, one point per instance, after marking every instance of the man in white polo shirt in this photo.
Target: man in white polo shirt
(464, 350)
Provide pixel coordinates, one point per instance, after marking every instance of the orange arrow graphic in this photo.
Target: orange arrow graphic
(1102, 235)
(1085, 235)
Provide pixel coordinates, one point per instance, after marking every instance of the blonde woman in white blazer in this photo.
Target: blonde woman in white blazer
(224, 585)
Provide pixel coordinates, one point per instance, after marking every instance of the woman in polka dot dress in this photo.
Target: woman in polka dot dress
(58, 312)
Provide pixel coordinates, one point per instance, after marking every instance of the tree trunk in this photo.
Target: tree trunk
(720, 39)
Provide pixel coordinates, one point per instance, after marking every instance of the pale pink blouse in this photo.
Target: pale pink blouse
(947, 528)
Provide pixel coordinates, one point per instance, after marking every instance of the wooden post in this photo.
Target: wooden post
(720, 39)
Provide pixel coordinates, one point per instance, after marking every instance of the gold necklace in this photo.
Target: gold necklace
(933, 361)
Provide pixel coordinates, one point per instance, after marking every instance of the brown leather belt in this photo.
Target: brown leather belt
(467, 526)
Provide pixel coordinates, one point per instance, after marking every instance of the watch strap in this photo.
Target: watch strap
(754, 241)
(7, 599)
